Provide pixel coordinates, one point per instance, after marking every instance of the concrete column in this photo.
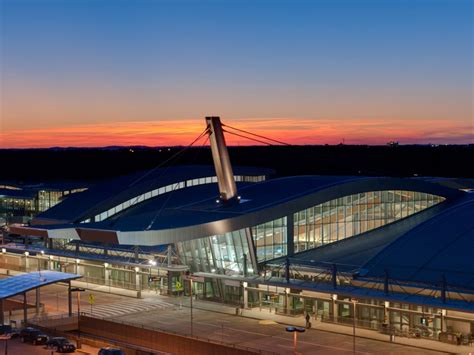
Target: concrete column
(38, 300)
(27, 263)
(69, 298)
(287, 299)
(334, 307)
(25, 309)
(246, 295)
(50, 263)
(106, 275)
(290, 231)
(386, 318)
(443, 320)
(138, 283)
(2, 315)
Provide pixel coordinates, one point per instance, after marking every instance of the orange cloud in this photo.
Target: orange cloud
(291, 130)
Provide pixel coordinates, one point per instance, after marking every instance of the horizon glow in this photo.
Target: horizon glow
(91, 73)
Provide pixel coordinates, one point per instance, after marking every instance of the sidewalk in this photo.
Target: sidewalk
(264, 314)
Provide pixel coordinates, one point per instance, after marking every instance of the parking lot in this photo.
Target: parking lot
(15, 346)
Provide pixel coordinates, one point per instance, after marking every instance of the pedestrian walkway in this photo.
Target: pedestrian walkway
(116, 309)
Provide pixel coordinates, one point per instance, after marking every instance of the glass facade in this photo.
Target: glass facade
(20, 209)
(355, 214)
(16, 209)
(270, 239)
(47, 199)
(222, 254)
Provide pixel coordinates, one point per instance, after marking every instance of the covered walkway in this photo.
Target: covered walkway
(21, 284)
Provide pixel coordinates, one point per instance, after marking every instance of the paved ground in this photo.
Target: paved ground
(165, 313)
(257, 334)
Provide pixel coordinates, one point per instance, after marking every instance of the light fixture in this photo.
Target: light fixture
(77, 261)
(42, 252)
(106, 265)
(334, 297)
(213, 270)
(137, 269)
(4, 250)
(27, 253)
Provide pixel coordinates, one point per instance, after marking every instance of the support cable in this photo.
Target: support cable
(174, 187)
(256, 135)
(174, 156)
(253, 139)
(171, 158)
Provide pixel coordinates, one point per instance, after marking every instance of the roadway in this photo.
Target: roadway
(164, 313)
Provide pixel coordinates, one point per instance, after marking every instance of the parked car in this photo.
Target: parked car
(8, 330)
(110, 351)
(33, 336)
(60, 345)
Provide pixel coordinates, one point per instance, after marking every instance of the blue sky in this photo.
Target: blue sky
(73, 62)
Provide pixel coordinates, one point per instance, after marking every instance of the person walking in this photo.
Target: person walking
(308, 323)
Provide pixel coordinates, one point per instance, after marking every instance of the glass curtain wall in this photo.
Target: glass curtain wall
(270, 239)
(222, 254)
(355, 214)
(47, 199)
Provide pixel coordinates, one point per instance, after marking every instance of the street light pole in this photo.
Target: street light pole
(354, 302)
(78, 291)
(295, 330)
(191, 302)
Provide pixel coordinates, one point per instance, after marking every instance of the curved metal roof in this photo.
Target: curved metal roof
(193, 212)
(107, 194)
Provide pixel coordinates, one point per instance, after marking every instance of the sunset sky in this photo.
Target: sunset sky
(146, 72)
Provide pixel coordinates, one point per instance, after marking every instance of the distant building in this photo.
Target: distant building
(19, 203)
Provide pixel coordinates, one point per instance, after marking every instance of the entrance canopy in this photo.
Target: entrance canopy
(19, 284)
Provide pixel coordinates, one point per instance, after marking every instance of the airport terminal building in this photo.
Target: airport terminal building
(395, 253)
